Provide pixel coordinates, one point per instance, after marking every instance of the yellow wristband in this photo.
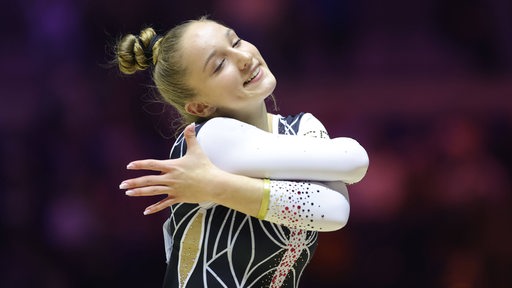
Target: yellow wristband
(265, 200)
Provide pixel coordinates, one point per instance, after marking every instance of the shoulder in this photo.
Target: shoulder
(304, 124)
(311, 126)
(308, 118)
(289, 124)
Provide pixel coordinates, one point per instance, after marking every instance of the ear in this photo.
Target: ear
(200, 109)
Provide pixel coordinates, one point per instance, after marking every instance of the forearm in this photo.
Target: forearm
(243, 149)
(295, 204)
(238, 192)
(308, 205)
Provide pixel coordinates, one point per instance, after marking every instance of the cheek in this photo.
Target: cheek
(224, 80)
(222, 89)
(229, 79)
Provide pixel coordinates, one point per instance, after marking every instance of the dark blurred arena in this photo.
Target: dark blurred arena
(423, 85)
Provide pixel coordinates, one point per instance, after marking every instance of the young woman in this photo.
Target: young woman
(248, 195)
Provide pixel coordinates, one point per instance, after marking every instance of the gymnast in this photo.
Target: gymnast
(248, 191)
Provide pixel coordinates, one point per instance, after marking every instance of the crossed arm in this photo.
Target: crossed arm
(206, 175)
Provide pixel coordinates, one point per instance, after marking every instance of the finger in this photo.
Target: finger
(144, 181)
(190, 137)
(150, 164)
(149, 191)
(160, 205)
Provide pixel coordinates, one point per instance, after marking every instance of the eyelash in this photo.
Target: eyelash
(236, 44)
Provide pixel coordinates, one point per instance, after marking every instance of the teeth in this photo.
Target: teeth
(252, 76)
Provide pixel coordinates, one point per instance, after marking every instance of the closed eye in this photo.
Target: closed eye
(217, 69)
(235, 44)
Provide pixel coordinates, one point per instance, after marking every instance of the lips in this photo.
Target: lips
(254, 74)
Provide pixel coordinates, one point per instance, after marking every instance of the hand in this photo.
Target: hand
(183, 180)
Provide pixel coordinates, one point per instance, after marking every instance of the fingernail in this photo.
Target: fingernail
(129, 166)
(129, 192)
(146, 212)
(123, 185)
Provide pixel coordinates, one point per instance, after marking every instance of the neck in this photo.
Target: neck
(257, 117)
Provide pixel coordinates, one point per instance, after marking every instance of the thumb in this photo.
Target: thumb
(190, 137)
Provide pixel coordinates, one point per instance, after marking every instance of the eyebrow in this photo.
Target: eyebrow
(214, 52)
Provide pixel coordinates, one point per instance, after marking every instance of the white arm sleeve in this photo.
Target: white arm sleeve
(308, 205)
(240, 148)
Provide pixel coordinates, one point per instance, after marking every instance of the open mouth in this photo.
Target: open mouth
(254, 74)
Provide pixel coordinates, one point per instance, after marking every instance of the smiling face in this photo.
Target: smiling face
(228, 74)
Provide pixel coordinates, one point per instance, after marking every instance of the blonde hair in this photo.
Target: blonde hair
(164, 55)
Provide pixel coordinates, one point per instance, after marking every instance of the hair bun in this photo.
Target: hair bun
(136, 53)
(148, 49)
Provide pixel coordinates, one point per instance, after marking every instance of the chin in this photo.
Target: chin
(270, 82)
(268, 89)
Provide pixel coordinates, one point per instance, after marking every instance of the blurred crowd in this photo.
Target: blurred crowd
(424, 86)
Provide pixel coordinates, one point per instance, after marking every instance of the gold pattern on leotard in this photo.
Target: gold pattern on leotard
(190, 247)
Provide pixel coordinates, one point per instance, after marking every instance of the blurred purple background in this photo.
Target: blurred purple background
(424, 85)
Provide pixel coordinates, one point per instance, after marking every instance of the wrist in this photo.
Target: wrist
(238, 192)
(265, 199)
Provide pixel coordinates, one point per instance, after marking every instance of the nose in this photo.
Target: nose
(244, 59)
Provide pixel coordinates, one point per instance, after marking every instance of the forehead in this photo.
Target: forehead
(203, 35)
(204, 29)
(199, 40)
